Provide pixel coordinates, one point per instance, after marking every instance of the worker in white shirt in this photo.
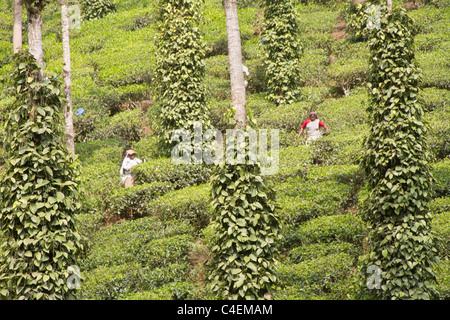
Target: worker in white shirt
(129, 162)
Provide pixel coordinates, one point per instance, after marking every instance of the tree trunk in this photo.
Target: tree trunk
(235, 62)
(34, 15)
(389, 4)
(17, 34)
(68, 111)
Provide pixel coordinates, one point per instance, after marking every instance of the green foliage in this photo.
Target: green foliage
(191, 203)
(396, 166)
(121, 281)
(126, 125)
(357, 14)
(38, 191)
(132, 202)
(327, 277)
(282, 51)
(317, 250)
(97, 180)
(441, 229)
(165, 170)
(97, 9)
(336, 228)
(178, 290)
(301, 199)
(441, 173)
(180, 67)
(443, 275)
(247, 232)
(147, 241)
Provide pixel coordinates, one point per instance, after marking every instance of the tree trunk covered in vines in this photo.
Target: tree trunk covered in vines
(400, 243)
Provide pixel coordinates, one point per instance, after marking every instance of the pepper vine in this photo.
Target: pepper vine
(396, 164)
(38, 191)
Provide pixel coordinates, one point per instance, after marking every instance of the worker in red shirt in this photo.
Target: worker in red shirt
(312, 125)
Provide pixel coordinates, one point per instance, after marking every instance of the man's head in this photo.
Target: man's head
(131, 154)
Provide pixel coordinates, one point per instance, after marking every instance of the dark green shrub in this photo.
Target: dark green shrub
(126, 125)
(120, 281)
(443, 278)
(289, 116)
(439, 134)
(191, 203)
(441, 229)
(441, 173)
(301, 200)
(165, 170)
(179, 290)
(97, 181)
(293, 161)
(132, 202)
(148, 148)
(147, 241)
(320, 278)
(439, 205)
(318, 250)
(336, 150)
(337, 228)
(435, 98)
(99, 151)
(97, 9)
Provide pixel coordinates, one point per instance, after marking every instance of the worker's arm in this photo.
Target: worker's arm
(300, 132)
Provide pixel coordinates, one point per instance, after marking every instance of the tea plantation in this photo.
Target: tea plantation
(151, 241)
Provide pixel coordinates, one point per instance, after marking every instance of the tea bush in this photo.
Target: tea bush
(165, 170)
(132, 202)
(441, 173)
(147, 241)
(98, 180)
(179, 290)
(441, 229)
(190, 203)
(301, 201)
(318, 250)
(119, 281)
(327, 277)
(341, 228)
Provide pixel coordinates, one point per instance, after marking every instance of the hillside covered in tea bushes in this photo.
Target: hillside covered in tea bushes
(151, 241)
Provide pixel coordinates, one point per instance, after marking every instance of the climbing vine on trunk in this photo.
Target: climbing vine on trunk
(396, 160)
(181, 93)
(247, 232)
(38, 191)
(283, 51)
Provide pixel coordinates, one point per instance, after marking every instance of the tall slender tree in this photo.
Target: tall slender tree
(67, 75)
(34, 17)
(17, 33)
(247, 229)
(235, 62)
